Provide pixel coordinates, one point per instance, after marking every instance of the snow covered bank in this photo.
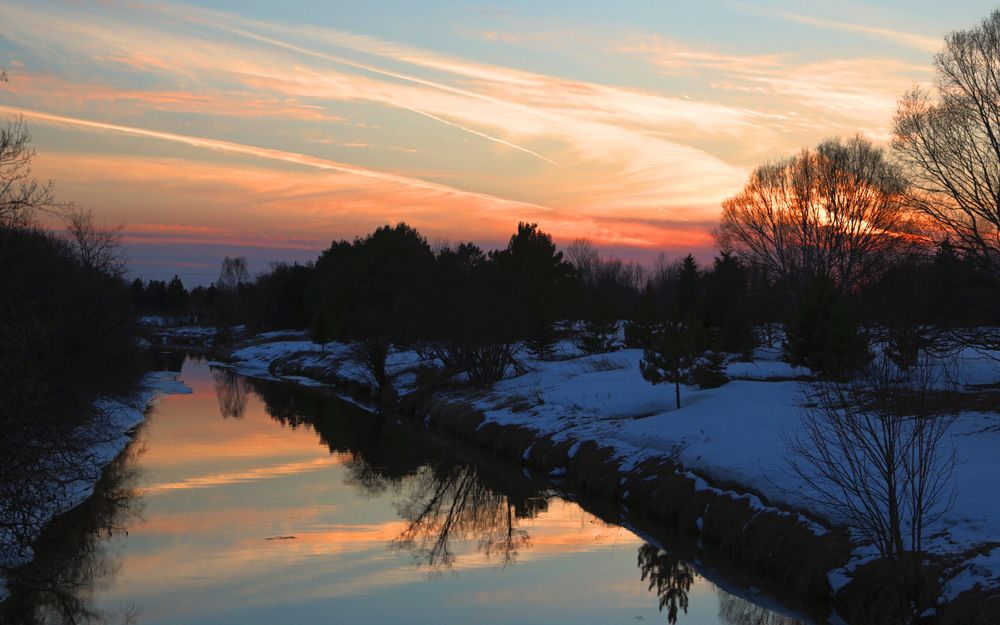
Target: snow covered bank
(119, 418)
(734, 435)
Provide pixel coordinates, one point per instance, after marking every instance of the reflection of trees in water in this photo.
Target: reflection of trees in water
(447, 498)
(368, 479)
(669, 576)
(231, 390)
(456, 504)
(71, 556)
(735, 610)
(444, 499)
(672, 579)
(44, 461)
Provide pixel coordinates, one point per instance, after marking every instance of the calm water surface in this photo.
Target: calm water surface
(253, 503)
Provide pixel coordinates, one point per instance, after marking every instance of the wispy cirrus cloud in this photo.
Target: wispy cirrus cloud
(602, 134)
(351, 129)
(913, 40)
(839, 95)
(52, 91)
(283, 156)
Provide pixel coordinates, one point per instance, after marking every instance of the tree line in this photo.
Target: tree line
(67, 340)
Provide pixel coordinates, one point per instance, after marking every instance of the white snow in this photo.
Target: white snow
(737, 433)
(981, 571)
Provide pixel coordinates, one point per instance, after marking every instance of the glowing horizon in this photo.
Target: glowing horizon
(210, 131)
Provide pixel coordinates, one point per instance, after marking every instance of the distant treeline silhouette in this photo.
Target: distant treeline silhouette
(477, 310)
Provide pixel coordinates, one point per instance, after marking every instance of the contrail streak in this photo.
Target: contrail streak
(399, 76)
(481, 134)
(265, 153)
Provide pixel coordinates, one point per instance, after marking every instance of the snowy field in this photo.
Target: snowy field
(734, 433)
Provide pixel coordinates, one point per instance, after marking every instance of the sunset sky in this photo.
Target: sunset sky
(267, 129)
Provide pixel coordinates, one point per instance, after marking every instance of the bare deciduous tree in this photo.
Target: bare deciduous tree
(949, 142)
(872, 452)
(20, 193)
(98, 248)
(232, 274)
(834, 210)
(582, 254)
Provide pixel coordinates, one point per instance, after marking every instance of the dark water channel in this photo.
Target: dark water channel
(249, 502)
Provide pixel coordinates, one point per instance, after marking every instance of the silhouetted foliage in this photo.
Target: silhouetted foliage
(277, 300)
(597, 336)
(824, 333)
(531, 272)
(368, 291)
(66, 339)
(726, 306)
(670, 354)
(834, 210)
(948, 144)
(542, 343)
(709, 370)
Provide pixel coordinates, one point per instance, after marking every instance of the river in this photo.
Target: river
(249, 502)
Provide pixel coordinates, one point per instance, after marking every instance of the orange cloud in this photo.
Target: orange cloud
(618, 164)
(51, 91)
(307, 209)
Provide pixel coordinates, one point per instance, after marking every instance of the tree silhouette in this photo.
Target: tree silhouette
(669, 576)
(835, 209)
(948, 143)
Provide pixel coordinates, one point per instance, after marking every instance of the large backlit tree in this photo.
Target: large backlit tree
(833, 210)
(949, 142)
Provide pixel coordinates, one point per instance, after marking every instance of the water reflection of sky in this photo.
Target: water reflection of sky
(222, 496)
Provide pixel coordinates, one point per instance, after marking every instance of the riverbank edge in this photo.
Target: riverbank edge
(765, 539)
(781, 546)
(130, 413)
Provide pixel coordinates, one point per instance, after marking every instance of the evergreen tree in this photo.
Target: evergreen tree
(726, 308)
(532, 273)
(688, 292)
(597, 336)
(542, 343)
(709, 370)
(824, 333)
(639, 328)
(671, 353)
(176, 295)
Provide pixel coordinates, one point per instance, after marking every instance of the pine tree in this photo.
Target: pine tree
(597, 336)
(709, 370)
(639, 328)
(670, 355)
(542, 343)
(824, 334)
